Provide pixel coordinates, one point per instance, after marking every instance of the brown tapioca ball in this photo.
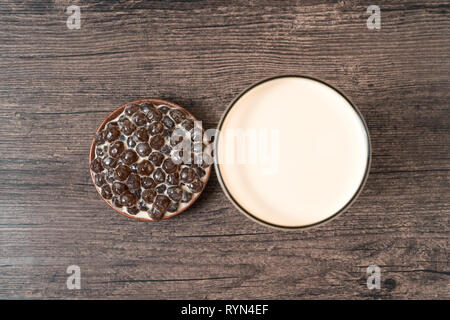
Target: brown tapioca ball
(166, 150)
(116, 202)
(100, 179)
(106, 192)
(119, 188)
(133, 181)
(159, 176)
(110, 176)
(164, 109)
(162, 201)
(148, 183)
(175, 193)
(196, 186)
(128, 199)
(173, 207)
(129, 157)
(110, 163)
(141, 134)
(139, 119)
(122, 172)
(116, 149)
(168, 123)
(169, 166)
(112, 124)
(112, 134)
(188, 124)
(156, 158)
(100, 138)
(144, 168)
(156, 213)
(187, 175)
(133, 210)
(154, 115)
(146, 106)
(157, 142)
(155, 128)
(97, 165)
(148, 195)
(131, 142)
(143, 149)
(173, 179)
(131, 109)
(133, 167)
(177, 115)
(128, 127)
(161, 188)
(200, 172)
(99, 151)
(137, 192)
(187, 196)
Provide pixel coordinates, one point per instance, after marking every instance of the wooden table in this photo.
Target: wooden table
(57, 84)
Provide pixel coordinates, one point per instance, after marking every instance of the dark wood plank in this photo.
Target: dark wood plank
(56, 85)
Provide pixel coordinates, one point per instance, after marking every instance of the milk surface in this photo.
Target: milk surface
(318, 151)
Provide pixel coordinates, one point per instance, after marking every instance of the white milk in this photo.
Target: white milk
(312, 160)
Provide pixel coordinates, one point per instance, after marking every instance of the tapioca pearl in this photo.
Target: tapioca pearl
(154, 115)
(116, 149)
(161, 189)
(148, 183)
(164, 109)
(97, 165)
(167, 133)
(119, 188)
(173, 207)
(129, 157)
(143, 149)
(148, 195)
(128, 199)
(110, 163)
(157, 142)
(175, 193)
(166, 150)
(142, 206)
(200, 172)
(168, 123)
(116, 202)
(131, 142)
(169, 166)
(141, 134)
(122, 172)
(100, 179)
(173, 179)
(128, 127)
(131, 109)
(133, 181)
(188, 124)
(159, 176)
(144, 168)
(187, 174)
(112, 134)
(139, 119)
(110, 176)
(156, 158)
(106, 192)
(162, 201)
(137, 192)
(133, 210)
(146, 107)
(156, 213)
(196, 186)
(100, 138)
(99, 152)
(155, 128)
(177, 115)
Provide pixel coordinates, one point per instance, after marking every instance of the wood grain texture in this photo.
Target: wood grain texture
(56, 86)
